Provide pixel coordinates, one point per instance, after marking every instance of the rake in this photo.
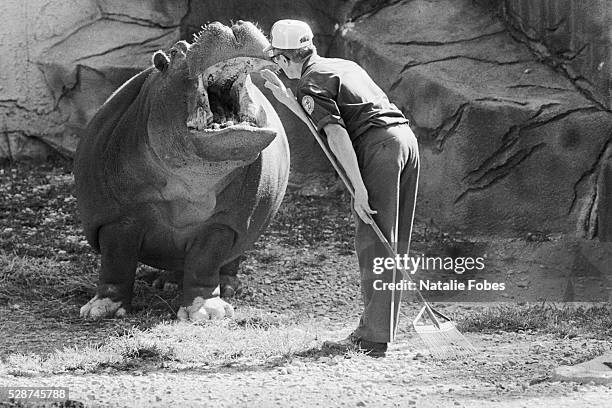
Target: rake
(440, 334)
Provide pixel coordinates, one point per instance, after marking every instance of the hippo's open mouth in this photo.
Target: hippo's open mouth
(224, 99)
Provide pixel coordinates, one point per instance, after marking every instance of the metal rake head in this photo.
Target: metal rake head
(441, 336)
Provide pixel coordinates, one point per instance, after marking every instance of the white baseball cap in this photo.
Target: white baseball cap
(289, 35)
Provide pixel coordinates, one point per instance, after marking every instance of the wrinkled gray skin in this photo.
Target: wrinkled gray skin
(157, 183)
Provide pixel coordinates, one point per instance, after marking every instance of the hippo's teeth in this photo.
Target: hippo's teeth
(226, 87)
(199, 120)
(204, 102)
(203, 116)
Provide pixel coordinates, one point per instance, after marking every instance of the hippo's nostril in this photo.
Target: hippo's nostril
(239, 22)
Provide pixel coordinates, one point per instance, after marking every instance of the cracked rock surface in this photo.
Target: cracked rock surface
(507, 143)
(62, 59)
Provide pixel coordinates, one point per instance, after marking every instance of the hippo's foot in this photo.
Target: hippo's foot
(205, 309)
(99, 308)
(230, 286)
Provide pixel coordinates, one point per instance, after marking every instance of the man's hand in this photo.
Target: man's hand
(362, 206)
(280, 92)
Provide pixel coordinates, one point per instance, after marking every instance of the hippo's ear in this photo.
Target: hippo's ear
(161, 60)
(182, 46)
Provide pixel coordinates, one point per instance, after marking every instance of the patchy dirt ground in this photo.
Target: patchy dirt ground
(510, 371)
(304, 271)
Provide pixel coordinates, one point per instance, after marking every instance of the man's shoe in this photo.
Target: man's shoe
(372, 348)
(348, 344)
(354, 343)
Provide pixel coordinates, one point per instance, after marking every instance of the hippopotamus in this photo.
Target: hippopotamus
(182, 168)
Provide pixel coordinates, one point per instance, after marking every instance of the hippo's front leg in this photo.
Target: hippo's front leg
(204, 259)
(230, 284)
(119, 245)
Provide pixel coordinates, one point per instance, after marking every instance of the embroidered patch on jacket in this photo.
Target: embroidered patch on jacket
(308, 104)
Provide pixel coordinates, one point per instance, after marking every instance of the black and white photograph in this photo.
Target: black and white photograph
(274, 203)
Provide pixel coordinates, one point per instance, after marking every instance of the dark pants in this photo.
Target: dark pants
(389, 163)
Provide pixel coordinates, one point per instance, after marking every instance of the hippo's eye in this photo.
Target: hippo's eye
(173, 53)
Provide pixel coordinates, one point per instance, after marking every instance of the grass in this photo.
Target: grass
(253, 338)
(566, 321)
(24, 277)
(259, 339)
(55, 289)
(47, 271)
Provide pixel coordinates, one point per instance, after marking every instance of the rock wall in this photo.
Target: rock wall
(577, 37)
(62, 59)
(508, 143)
